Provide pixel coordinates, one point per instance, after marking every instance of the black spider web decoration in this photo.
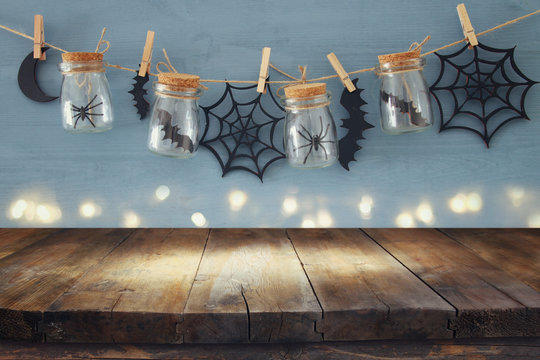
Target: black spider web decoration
(488, 87)
(240, 134)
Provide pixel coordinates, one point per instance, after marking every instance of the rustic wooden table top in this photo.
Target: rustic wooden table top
(170, 286)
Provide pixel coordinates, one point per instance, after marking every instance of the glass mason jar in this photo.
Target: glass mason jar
(310, 133)
(174, 122)
(85, 96)
(404, 100)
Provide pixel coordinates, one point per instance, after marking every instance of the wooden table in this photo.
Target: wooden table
(164, 286)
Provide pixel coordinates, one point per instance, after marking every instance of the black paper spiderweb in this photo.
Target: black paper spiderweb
(240, 134)
(486, 85)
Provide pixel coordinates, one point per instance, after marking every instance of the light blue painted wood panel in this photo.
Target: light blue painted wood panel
(55, 172)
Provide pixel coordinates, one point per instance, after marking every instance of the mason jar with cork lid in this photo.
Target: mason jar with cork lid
(310, 133)
(174, 122)
(404, 97)
(85, 96)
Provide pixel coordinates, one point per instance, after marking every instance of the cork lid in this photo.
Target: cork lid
(305, 90)
(399, 57)
(81, 56)
(180, 80)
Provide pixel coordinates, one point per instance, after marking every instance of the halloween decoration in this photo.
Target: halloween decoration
(310, 132)
(484, 87)
(356, 125)
(174, 126)
(138, 93)
(404, 101)
(85, 112)
(28, 79)
(240, 134)
(85, 93)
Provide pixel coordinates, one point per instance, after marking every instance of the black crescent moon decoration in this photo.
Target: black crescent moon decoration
(28, 79)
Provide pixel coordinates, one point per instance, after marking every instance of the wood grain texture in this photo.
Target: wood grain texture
(490, 303)
(250, 287)
(492, 349)
(364, 292)
(118, 173)
(12, 240)
(517, 251)
(34, 277)
(137, 294)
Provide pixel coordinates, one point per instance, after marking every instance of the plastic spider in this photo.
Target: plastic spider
(314, 141)
(83, 112)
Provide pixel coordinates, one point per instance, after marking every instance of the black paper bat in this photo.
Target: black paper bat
(405, 107)
(348, 146)
(171, 132)
(138, 93)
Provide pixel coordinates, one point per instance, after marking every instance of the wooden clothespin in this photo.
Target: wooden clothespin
(468, 29)
(343, 75)
(147, 54)
(263, 73)
(39, 37)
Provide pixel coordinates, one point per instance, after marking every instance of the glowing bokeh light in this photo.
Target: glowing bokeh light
(290, 205)
(47, 213)
(534, 220)
(17, 209)
(89, 209)
(474, 202)
(131, 219)
(199, 220)
(405, 220)
(162, 192)
(365, 206)
(458, 203)
(237, 199)
(516, 195)
(308, 223)
(324, 218)
(424, 213)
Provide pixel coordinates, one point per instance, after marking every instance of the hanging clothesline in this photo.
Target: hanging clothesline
(293, 79)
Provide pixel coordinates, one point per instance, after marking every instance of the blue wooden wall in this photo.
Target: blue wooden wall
(51, 178)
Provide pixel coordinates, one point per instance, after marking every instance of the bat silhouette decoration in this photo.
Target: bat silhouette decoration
(405, 107)
(171, 132)
(348, 144)
(28, 79)
(138, 93)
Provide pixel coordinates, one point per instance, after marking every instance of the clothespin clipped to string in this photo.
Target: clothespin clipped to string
(343, 75)
(468, 29)
(147, 54)
(39, 37)
(263, 73)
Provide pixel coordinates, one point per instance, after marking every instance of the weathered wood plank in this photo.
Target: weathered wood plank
(364, 292)
(12, 240)
(489, 301)
(34, 277)
(517, 251)
(492, 349)
(250, 287)
(137, 294)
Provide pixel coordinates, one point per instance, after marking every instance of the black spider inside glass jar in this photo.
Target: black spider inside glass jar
(85, 96)
(174, 124)
(310, 131)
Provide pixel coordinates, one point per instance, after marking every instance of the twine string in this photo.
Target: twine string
(295, 80)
